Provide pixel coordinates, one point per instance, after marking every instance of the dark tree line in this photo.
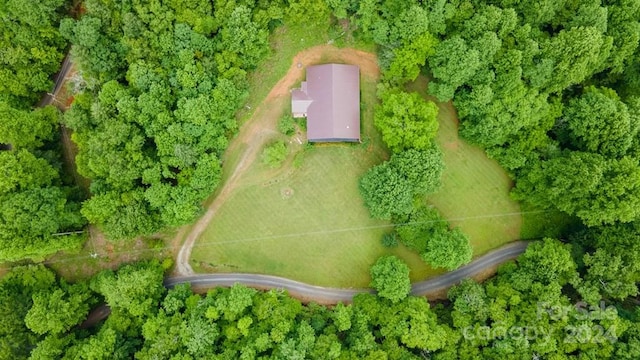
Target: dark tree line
(532, 308)
(548, 89)
(36, 199)
(550, 92)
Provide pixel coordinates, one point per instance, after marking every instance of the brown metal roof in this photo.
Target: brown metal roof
(331, 102)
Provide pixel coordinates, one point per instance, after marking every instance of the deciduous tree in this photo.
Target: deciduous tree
(600, 122)
(390, 278)
(406, 121)
(386, 193)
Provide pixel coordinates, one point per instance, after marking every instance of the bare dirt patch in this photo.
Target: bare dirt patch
(286, 193)
(256, 131)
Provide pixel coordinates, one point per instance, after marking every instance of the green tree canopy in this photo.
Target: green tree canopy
(406, 120)
(447, 249)
(422, 169)
(32, 50)
(25, 128)
(56, 311)
(386, 192)
(597, 190)
(427, 233)
(390, 278)
(163, 83)
(136, 289)
(548, 261)
(598, 121)
(452, 64)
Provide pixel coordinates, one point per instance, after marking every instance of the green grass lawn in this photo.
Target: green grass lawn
(307, 223)
(285, 42)
(475, 189)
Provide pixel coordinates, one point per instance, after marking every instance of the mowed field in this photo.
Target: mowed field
(475, 189)
(306, 223)
(309, 224)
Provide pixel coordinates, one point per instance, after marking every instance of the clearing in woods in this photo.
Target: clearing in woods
(308, 223)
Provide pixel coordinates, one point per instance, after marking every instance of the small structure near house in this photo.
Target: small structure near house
(330, 100)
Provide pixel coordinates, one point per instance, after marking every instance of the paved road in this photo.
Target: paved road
(494, 258)
(325, 295)
(64, 71)
(297, 289)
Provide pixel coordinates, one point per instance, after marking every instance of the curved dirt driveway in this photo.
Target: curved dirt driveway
(256, 131)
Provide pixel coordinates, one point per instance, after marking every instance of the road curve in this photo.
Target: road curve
(327, 295)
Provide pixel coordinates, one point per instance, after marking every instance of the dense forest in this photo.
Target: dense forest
(37, 200)
(549, 89)
(163, 82)
(525, 312)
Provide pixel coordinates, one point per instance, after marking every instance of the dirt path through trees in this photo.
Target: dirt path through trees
(257, 130)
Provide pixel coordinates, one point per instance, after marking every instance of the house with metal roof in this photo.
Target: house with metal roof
(330, 100)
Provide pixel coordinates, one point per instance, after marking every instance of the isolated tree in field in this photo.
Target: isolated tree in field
(390, 239)
(287, 125)
(420, 225)
(389, 188)
(274, 154)
(390, 278)
(406, 120)
(447, 249)
(428, 234)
